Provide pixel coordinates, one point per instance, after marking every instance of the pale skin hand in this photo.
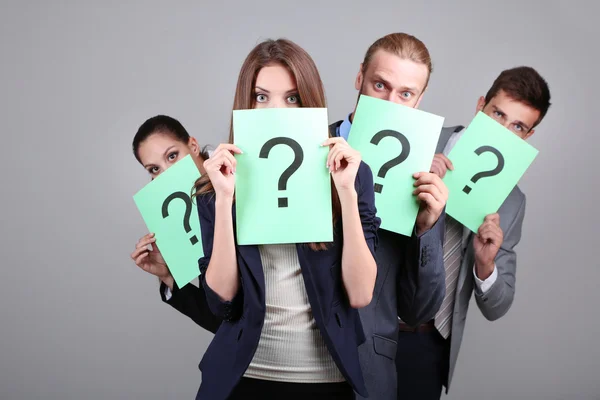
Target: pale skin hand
(222, 274)
(440, 165)
(486, 243)
(151, 260)
(221, 168)
(433, 194)
(358, 265)
(343, 162)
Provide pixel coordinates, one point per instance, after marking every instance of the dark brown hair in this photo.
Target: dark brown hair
(525, 85)
(165, 125)
(404, 46)
(310, 90)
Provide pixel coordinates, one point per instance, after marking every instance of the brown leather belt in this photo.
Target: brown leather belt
(426, 327)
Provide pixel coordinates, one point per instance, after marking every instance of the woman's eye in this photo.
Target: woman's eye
(153, 170)
(293, 99)
(261, 98)
(172, 156)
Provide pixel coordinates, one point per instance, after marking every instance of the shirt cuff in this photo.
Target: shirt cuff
(485, 285)
(168, 293)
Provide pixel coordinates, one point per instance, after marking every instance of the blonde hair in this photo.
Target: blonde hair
(404, 46)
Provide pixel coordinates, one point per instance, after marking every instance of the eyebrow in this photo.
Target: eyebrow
(294, 90)
(259, 88)
(164, 154)
(517, 122)
(522, 124)
(378, 77)
(496, 108)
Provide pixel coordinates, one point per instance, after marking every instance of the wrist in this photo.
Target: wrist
(168, 281)
(484, 270)
(224, 198)
(423, 226)
(421, 229)
(347, 195)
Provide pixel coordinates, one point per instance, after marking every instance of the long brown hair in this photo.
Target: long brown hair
(310, 90)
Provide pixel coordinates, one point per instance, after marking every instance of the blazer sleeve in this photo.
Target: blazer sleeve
(191, 302)
(498, 299)
(366, 206)
(226, 310)
(421, 279)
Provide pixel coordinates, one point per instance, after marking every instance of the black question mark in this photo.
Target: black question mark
(188, 211)
(298, 158)
(491, 172)
(394, 161)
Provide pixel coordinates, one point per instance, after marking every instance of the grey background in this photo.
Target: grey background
(78, 320)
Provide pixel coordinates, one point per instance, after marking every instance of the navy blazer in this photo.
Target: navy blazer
(190, 300)
(233, 347)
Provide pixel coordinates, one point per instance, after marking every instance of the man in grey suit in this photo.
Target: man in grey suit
(410, 273)
(484, 263)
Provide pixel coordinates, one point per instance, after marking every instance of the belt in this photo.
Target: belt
(426, 327)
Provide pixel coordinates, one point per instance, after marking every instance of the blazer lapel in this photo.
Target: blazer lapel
(445, 136)
(467, 262)
(251, 256)
(333, 129)
(443, 140)
(465, 237)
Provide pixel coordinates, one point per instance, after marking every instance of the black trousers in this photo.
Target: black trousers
(422, 363)
(271, 390)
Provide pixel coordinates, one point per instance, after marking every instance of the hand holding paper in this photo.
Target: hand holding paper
(440, 165)
(151, 260)
(221, 168)
(433, 194)
(486, 243)
(343, 162)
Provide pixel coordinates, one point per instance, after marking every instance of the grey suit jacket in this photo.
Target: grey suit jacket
(497, 301)
(411, 284)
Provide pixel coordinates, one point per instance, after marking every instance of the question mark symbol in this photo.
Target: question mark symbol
(188, 211)
(298, 158)
(394, 161)
(492, 172)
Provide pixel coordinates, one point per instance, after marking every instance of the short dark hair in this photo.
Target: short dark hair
(161, 124)
(525, 85)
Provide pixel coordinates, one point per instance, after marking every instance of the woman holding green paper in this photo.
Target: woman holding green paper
(290, 322)
(159, 143)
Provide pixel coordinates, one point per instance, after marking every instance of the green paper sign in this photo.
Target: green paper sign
(283, 190)
(395, 141)
(169, 213)
(488, 162)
